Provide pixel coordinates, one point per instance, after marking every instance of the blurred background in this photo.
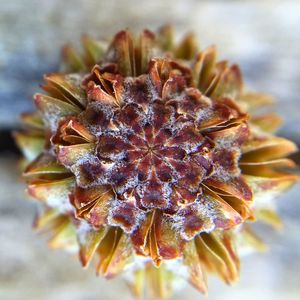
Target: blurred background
(262, 36)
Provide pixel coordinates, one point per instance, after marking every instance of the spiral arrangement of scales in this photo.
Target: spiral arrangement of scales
(149, 155)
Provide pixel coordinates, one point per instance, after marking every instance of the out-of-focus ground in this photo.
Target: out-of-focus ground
(262, 36)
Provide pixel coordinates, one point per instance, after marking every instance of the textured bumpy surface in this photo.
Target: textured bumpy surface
(150, 154)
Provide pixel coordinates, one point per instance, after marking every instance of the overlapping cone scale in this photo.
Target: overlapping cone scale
(148, 151)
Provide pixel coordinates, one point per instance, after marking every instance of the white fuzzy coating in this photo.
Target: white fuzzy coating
(75, 169)
(140, 217)
(222, 173)
(204, 211)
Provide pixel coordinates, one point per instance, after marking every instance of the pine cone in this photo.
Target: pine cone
(149, 154)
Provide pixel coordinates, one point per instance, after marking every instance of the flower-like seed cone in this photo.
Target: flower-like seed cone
(149, 155)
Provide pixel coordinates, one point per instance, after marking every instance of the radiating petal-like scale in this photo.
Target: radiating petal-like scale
(53, 109)
(144, 51)
(274, 185)
(115, 253)
(224, 215)
(141, 234)
(271, 168)
(30, 144)
(89, 240)
(45, 166)
(32, 120)
(203, 68)
(54, 193)
(92, 204)
(264, 148)
(121, 52)
(96, 93)
(69, 155)
(230, 84)
(218, 256)
(65, 87)
(169, 243)
(166, 38)
(72, 59)
(187, 48)
(268, 122)
(236, 187)
(61, 231)
(197, 275)
(270, 217)
(254, 101)
(93, 50)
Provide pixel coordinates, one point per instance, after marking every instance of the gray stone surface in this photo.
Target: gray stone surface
(263, 36)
